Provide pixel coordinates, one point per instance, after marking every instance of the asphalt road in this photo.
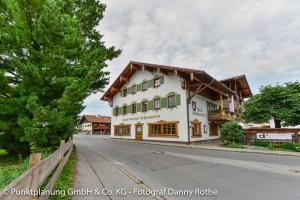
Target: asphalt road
(235, 176)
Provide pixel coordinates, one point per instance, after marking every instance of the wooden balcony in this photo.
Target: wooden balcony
(220, 116)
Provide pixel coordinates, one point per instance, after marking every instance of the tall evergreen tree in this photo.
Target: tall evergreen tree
(51, 58)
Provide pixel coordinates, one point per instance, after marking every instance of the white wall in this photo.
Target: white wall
(87, 128)
(202, 115)
(171, 84)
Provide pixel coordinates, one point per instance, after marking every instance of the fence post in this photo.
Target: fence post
(62, 143)
(34, 159)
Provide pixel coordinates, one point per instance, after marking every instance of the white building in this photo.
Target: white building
(157, 102)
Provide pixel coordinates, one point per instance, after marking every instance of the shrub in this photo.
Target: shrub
(288, 146)
(3, 152)
(297, 147)
(231, 132)
(261, 143)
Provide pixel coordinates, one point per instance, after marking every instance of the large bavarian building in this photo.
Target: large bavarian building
(157, 102)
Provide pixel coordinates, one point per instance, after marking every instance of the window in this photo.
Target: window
(133, 89)
(122, 130)
(213, 130)
(144, 85)
(156, 82)
(156, 103)
(133, 108)
(144, 106)
(163, 129)
(124, 110)
(116, 111)
(171, 101)
(196, 128)
(124, 92)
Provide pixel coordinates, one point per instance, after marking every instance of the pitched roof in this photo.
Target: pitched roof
(242, 84)
(186, 73)
(95, 119)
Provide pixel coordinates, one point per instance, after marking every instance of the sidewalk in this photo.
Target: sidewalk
(97, 172)
(213, 146)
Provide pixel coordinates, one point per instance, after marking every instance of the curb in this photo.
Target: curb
(277, 153)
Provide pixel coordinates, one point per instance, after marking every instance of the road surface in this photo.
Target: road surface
(195, 172)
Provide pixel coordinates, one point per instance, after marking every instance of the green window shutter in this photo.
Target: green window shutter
(139, 87)
(162, 79)
(163, 103)
(129, 90)
(178, 100)
(150, 83)
(121, 93)
(150, 105)
(129, 109)
(138, 107)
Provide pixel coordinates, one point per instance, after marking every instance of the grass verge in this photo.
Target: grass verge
(11, 167)
(65, 180)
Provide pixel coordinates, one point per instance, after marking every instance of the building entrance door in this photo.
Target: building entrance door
(139, 132)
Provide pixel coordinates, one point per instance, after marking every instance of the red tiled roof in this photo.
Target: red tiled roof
(96, 119)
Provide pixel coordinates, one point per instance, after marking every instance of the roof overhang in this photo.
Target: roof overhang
(193, 76)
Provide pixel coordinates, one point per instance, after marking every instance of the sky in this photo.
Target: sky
(258, 38)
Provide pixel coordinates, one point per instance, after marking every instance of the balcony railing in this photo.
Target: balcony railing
(218, 115)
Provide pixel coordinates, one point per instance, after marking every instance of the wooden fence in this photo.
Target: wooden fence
(39, 171)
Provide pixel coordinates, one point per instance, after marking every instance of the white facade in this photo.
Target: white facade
(179, 113)
(87, 128)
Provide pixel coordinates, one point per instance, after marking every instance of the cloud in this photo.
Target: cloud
(224, 38)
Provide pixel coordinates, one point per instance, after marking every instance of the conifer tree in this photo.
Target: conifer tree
(51, 58)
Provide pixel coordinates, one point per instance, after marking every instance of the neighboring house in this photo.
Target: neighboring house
(95, 125)
(274, 123)
(157, 102)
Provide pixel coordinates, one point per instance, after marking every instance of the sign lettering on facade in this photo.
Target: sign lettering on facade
(141, 118)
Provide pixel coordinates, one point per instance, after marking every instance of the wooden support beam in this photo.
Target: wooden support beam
(176, 72)
(158, 70)
(133, 67)
(143, 68)
(122, 78)
(222, 104)
(218, 91)
(192, 76)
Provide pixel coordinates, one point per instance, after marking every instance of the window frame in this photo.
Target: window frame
(163, 126)
(132, 90)
(168, 102)
(154, 82)
(124, 92)
(213, 130)
(122, 127)
(157, 99)
(146, 103)
(124, 113)
(144, 88)
(133, 105)
(116, 111)
(196, 128)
